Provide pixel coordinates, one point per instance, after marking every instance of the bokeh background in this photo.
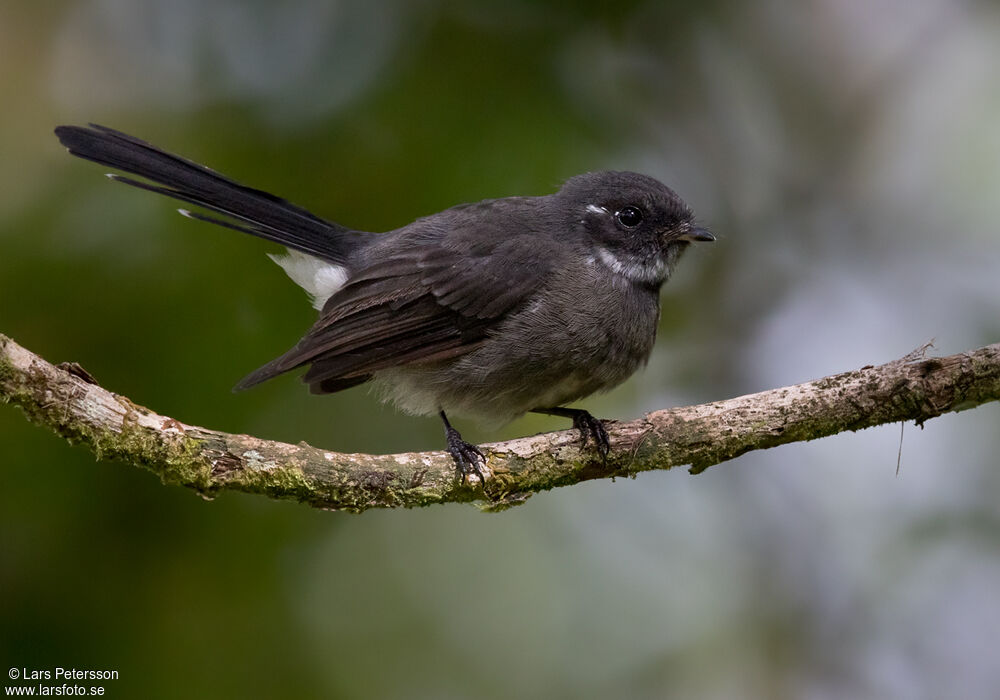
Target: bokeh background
(847, 154)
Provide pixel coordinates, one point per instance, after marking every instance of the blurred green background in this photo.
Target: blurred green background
(846, 154)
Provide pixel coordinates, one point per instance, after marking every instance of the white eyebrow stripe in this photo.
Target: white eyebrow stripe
(596, 209)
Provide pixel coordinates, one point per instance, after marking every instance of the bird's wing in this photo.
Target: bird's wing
(426, 302)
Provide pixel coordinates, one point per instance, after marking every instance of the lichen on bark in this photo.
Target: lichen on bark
(68, 401)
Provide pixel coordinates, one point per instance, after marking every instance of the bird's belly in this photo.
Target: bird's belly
(549, 354)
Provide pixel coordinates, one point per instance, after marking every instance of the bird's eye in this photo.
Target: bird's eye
(629, 217)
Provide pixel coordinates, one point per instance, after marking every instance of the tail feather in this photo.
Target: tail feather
(258, 213)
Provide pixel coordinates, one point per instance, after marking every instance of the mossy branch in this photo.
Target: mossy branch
(66, 399)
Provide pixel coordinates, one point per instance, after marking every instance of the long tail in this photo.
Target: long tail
(251, 211)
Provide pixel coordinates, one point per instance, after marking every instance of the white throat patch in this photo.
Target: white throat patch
(643, 271)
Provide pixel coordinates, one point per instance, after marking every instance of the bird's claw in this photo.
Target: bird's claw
(591, 427)
(469, 459)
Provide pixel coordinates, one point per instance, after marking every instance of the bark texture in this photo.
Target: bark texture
(66, 399)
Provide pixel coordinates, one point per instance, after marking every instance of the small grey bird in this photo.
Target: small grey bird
(488, 310)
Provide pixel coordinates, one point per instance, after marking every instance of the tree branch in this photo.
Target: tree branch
(66, 399)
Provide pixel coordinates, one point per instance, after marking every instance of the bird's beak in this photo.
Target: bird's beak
(697, 233)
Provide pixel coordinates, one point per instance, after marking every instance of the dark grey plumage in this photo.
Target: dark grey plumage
(490, 309)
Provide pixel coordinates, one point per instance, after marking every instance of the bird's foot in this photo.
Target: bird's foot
(591, 427)
(469, 459)
(588, 426)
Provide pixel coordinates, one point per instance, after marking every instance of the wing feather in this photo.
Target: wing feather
(418, 303)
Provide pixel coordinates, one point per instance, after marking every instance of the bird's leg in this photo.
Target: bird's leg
(468, 458)
(586, 424)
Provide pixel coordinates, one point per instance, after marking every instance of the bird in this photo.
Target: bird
(487, 310)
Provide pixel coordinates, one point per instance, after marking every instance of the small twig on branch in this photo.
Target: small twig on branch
(66, 399)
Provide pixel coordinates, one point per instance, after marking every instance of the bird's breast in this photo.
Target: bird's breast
(581, 333)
